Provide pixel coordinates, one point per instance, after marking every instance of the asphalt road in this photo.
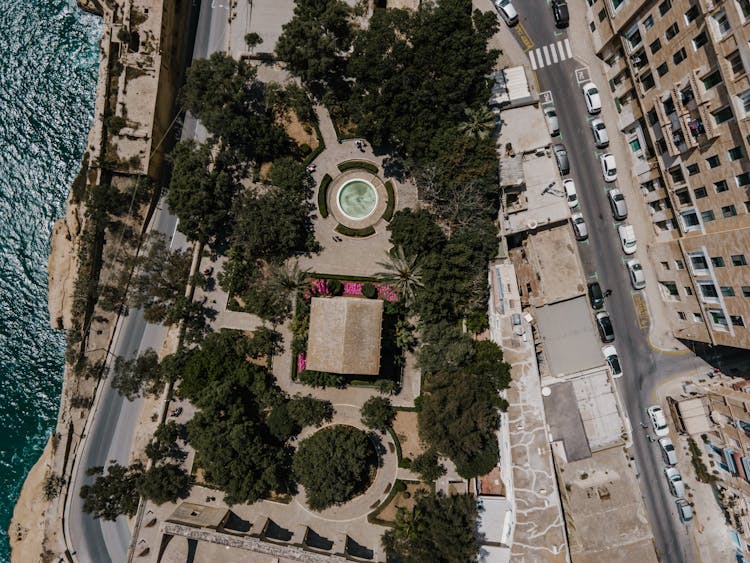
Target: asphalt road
(112, 429)
(603, 260)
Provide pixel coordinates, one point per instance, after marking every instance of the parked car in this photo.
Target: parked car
(609, 167)
(570, 193)
(627, 238)
(507, 12)
(551, 116)
(637, 277)
(601, 137)
(591, 97)
(596, 297)
(617, 204)
(613, 360)
(684, 510)
(580, 229)
(604, 324)
(667, 451)
(561, 155)
(674, 480)
(560, 13)
(658, 420)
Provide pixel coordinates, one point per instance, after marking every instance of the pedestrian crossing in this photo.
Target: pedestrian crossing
(550, 54)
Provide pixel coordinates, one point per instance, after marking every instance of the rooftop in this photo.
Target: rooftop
(199, 515)
(565, 422)
(344, 335)
(556, 265)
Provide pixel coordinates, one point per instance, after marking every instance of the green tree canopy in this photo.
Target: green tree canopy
(314, 43)
(138, 375)
(164, 483)
(164, 445)
(416, 232)
(334, 465)
(378, 413)
(309, 411)
(112, 494)
(428, 466)
(439, 528)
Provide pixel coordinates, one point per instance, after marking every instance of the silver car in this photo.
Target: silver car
(551, 116)
(637, 277)
(601, 138)
(580, 229)
(561, 155)
(617, 204)
(507, 12)
(684, 510)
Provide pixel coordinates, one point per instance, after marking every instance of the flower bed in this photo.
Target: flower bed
(352, 289)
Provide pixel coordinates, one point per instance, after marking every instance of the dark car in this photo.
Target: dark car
(604, 324)
(560, 12)
(561, 155)
(596, 297)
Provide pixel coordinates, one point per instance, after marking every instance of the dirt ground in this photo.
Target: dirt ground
(405, 427)
(400, 500)
(296, 131)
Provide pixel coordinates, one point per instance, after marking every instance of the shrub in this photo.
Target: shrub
(369, 291)
(305, 149)
(320, 379)
(323, 195)
(377, 413)
(114, 123)
(358, 165)
(391, 203)
(346, 231)
(335, 287)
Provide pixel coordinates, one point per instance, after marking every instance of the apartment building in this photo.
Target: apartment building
(678, 70)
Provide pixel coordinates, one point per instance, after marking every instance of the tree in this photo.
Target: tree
(202, 191)
(141, 374)
(401, 272)
(160, 280)
(479, 124)
(445, 349)
(229, 100)
(334, 465)
(439, 528)
(378, 413)
(416, 232)
(309, 411)
(314, 43)
(427, 466)
(164, 445)
(489, 362)
(164, 483)
(289, 278)
(113, 494)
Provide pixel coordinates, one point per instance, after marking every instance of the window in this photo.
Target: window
(711, 80)
(677, 176)
(635, 145)
(672, 30)
(602, 15)
(708, 290)
(729, 211)
(668, 105)
(707, 216)
(736, 153)
(718, 319)
(690, 220)
(744, 99)
(664, 7)
(688, 290)
(648, 23)
(592, 26)
(743, 179)
(665, 265)
(670, 288)
(683, 197)
(739, 260)
(736, 320)
(746, 291)
(723, 114)
(700, 193)
(652, 117)
(735, 63)
(713, 161)
(721, 186)
(700, 40)
(655, 45)
(679, 56)
(697, 317)
(693, 169)
(743, 7)
(617, 3)
(698, 261)
(648, 81)
(727, 291)
(662, 69)
(747, 206)
(717, 261)
(692, 13)
(721, 23)
(679, 264)
(681, 315)
(661, 146)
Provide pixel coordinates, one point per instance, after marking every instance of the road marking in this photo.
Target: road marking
(546, 97)
(532, 60)
(524, 37)
(594, 276)
(549, 54)
(174, 233)
(568, 49)
(562, 51)
(553, 52)
(641, 311)
(545, 49)
(582, 74)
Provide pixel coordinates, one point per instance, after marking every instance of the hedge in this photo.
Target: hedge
(391, 203)
(398, 487)
(358, 165)
(323, 195)
(346, 231)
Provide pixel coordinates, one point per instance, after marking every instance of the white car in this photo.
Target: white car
(601, 137)
(507, 12)
(627, 238)
(613, 361)
(637, 277)
(674, 480)
(658, 420)
(667, 451)
(684, 510)
(609, 167)
(570, 193)
(580, 229)
(591, 96)
(551, 116)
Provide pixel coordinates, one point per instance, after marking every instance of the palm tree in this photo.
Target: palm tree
(402, 273)
(289, 278)
(479, 124)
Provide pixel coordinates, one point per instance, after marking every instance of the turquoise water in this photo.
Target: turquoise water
(357, 199)
(48, 68)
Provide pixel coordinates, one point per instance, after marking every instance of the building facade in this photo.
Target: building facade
(678, 70)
